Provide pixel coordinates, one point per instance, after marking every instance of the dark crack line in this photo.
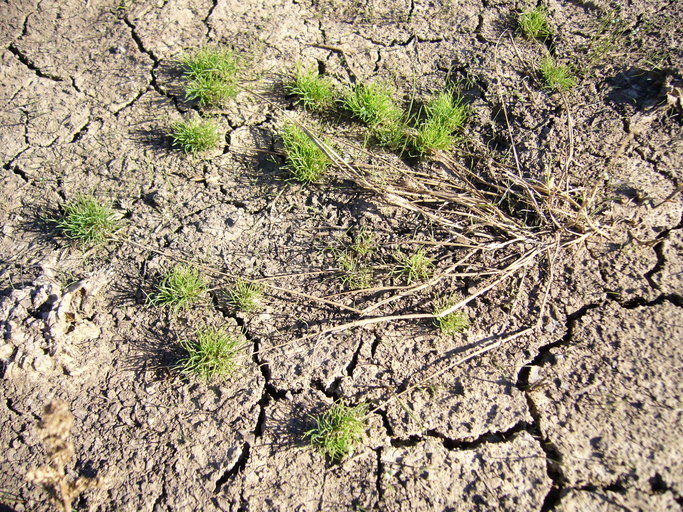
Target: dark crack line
(133, 101)
(380, 476)
(206, 20)
(16, 170)
(553, 456)
(10, 405)
(156, 63)
(30, 65)
(659, 251)
(162, 497)
(639, 302)
(81, 132)
(138, 41)
(331, 391)
(353, 363)
(238, 467)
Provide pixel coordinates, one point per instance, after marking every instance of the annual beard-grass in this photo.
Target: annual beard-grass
(339, 430)
(88, 221)
(245, 296)
(533, 23)
(363, 243)
(415, 266)
(445, 115)
(180, 287)
(213, 353)
(312, 91)
(452, 323)
(374, 105)
(211, 75)
(306, 162)
(195, 135)
(556, 77)
(354, 273)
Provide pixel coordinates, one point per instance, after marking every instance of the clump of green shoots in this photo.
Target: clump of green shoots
(534, 24)
(313, 92)
(212, 353)
(211, 75)
(445, 114)
(245, 295)
(195, 135)
(556, 77)
(452, 323)
(87, 221)
(354, 273)
(415, 266)
(339, 430)
(305, 160)
(363, 243)
(374, 105)
(180, 287)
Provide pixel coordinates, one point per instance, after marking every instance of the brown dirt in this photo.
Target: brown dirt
(583, 413)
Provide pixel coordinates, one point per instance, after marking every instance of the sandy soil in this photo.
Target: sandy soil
(581, 412)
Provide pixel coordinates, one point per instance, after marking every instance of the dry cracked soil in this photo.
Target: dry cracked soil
(565, 394)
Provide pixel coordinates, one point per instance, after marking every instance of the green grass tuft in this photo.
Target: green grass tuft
(195, 135)
(88, 221)
(211, 75)
(354, 274)
(181, 287)
(453, 323)
(556, 77)
(313, 91)
(305, 160)
(339, 430)
(245, 296)
(414, 267)
(363, 243)
(374, 105)
(445, 114)
(212, 353)
(534, 24)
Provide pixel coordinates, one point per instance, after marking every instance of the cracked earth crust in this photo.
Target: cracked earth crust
(583, 414)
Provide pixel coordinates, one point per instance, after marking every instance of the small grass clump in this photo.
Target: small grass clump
(181, 287)
(211, 75)
(212, 353)
(245, 296)
(445, 114)
(534, 24)
(87, 221)
(374, 105)
(452, 323)
(556, 77)
(363, 243)
(195, 135)
(313, 92)
(354, 274)
(338, 430)
(305, 160)
(415, 266)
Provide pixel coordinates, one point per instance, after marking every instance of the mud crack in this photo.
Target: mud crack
(237, 468)
(30, 65)
(156, 62)
(16, 170)
(553, 456)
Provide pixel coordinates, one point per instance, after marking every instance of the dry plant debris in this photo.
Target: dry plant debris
(55, 430)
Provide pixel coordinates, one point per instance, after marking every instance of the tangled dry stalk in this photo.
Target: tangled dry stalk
(55, 430)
